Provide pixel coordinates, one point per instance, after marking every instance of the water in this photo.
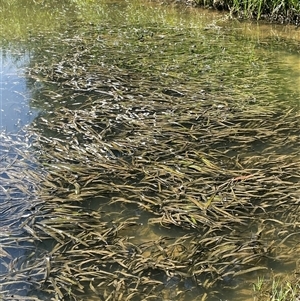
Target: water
(61, 63)
(15, 95)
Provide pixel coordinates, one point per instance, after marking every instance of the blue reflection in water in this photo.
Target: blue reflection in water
(14, 94)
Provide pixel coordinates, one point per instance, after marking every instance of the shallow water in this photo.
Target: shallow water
(120, 63)
(15, 95)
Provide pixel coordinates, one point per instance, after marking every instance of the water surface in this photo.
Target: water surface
(143, 107)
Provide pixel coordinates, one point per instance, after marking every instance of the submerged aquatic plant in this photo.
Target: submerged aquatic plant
(96, 168)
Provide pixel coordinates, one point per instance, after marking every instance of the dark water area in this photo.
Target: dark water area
(148, 152)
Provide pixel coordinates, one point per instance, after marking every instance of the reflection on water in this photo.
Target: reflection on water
(118, 81)
(14, 94)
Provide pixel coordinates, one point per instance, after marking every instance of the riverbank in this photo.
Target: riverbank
(275, 11)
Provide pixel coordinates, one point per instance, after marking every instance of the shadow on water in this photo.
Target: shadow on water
(164, 161)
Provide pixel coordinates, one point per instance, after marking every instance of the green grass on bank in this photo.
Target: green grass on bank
(285, 11)
(277, 289)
